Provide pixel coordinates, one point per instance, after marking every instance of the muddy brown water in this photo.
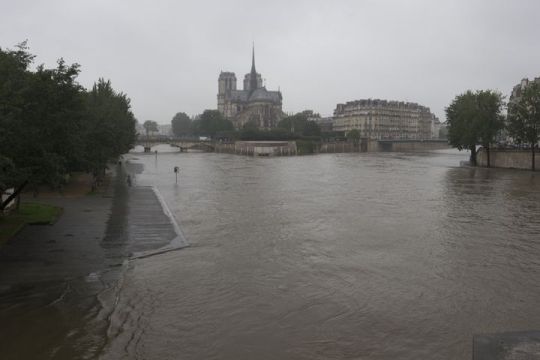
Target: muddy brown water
(338, 256)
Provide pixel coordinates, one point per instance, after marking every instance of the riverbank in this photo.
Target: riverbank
(58, 283)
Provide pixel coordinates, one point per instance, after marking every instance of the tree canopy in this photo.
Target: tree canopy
(51, 126)
(181, 124)
(353, 135)
(300, 125)
(150, 126)
(212, 122)
(524, 118)
(474, 118)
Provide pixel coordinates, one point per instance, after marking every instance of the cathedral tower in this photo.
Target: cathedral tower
(226, 85)
(252, 80)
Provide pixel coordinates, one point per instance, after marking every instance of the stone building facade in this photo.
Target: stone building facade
(381, 119)
(515, 96)
(254, 104)
(518, 89)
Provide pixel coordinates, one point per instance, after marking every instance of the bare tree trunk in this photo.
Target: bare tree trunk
(488, 156)
(14, 195)
(473, 155)
(533, 159)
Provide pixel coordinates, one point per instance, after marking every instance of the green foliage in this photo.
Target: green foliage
(353, 135)
(460, 114)
(305, 147)
(311, 129)
(294, 124)
(443, 132)
(277, 134)
(150, 126)
(212, 122)
(300, 125)
(34, 213)
(109, 127)
(524, 118)
(181, 124)
(489, 116)
(474, 118)
(50, 125)
(28, 213)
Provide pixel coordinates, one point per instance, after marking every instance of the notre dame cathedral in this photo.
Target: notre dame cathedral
(254, 104)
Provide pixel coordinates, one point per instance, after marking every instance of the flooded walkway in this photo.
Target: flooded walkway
(58, 283)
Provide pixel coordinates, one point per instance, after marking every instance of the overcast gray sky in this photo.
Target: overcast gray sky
(167, 55)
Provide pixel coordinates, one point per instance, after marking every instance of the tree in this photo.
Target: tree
(354, 136)
(40, 117)
(474, 118)
(443, 132)
(295, 124)
(524, 118)
(51, 126)
(311, 129)
(212, 122)
(181, 124)
(489, 117)
(109, 127)
(150, 126)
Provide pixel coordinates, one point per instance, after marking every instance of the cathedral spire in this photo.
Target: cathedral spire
(253, 58)
(253, 75)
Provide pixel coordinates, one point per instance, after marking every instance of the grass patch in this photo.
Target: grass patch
(38, 214)
(28, 213)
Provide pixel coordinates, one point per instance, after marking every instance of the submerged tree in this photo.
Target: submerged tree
(474, 118)
(354, 136)
(462, 130)
(524, 118)
(490, 119)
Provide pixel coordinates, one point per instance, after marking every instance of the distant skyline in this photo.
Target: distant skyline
(167, 55)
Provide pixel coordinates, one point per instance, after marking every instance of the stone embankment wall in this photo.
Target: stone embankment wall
(338, 147)
(288, 148)
(258, 148)
(510, 159)
(420, 145)
(365, 145)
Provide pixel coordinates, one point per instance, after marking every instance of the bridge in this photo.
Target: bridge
(183, 144)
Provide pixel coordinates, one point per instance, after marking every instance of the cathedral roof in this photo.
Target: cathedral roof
(261, 94)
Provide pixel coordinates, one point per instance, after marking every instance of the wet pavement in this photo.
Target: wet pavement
(58, 282)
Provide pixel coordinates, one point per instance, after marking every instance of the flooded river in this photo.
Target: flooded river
(338, 256)
(344, 256)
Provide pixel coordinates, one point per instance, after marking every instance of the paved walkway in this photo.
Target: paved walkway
(53, 270)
